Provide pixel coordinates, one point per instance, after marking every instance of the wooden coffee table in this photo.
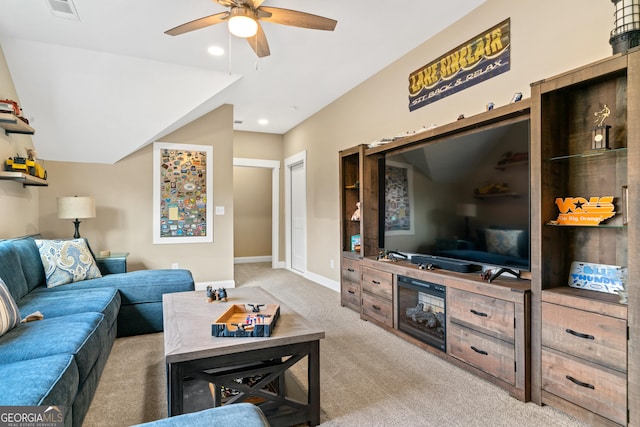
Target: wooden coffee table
(191, 352)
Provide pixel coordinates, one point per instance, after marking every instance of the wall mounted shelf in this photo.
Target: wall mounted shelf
(12, 124)
(24, 178)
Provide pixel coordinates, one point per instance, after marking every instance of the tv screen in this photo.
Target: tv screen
(465, 198)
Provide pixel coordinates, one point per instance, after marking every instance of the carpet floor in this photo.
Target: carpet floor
(369, 377)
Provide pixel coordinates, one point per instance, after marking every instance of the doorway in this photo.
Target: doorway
(274, 165)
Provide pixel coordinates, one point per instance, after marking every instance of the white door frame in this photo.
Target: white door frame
(289, 163)
(274, 165)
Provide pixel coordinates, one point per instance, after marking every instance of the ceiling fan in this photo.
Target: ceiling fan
(243, 19)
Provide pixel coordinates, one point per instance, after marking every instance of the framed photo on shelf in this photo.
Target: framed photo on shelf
(182, 193)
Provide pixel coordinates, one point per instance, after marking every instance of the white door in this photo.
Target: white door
(298, 217)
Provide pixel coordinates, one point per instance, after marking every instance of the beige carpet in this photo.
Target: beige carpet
(368, 377)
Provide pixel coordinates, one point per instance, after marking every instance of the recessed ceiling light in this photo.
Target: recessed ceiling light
(263, 121)
(216, 50)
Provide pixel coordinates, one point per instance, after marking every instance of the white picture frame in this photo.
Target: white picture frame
(182, 193)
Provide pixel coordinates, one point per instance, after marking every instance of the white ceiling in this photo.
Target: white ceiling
(100, 88)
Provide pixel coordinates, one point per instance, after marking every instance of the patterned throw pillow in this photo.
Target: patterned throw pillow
(503, 242)
(9, 313)
(67, 261)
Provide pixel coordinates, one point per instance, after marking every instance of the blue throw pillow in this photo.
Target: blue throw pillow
(9, 313)
(67, 261)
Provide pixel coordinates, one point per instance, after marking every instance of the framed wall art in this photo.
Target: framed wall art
(398, 199)
(182, 193)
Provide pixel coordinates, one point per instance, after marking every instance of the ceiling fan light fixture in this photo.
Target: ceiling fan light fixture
(242, 24)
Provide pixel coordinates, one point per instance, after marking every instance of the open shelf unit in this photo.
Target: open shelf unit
(24, 178)
(12, 124)
(583, 361)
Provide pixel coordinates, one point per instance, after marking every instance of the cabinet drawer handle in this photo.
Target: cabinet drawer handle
(375, 282)
(376, 307)
(478, 313)
(350, 291)
(579, 335)
(351, 270)
(484, 353)
(580, 383)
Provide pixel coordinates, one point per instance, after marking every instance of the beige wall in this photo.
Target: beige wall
(546, 40)
(252, 212)
(18, 205)
(124, 203)
(261, 146)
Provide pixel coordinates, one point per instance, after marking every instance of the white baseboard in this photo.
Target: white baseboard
(321, 280)
(215, 284)
(250, 259)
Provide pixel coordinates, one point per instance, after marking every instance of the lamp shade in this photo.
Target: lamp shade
(467, 209)
(76, 207)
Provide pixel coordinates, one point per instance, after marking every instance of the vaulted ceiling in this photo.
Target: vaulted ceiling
(100, 87)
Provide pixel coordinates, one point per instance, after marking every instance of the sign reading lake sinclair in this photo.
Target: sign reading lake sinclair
(475, 61)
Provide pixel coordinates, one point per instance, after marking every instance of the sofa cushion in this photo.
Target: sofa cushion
(30, 260)
(11, 270)
(9, 312)
(66, 261)
(84, 335)
(50, 380)
(56, 304)
(236, 415)
(140, 286)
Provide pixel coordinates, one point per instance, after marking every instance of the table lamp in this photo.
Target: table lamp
(76, 208)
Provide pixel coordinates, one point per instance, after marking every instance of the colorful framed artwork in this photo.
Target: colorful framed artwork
(398, 199)
(182, 193)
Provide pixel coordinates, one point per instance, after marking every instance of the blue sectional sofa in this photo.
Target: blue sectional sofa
(58, 360)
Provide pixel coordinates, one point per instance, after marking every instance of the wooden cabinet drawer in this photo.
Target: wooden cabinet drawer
(598, 389)
(351, 269)
(377, 282)
(350, 293)
(489, 354)
(492, 315)
(594, 337)
(377, 308)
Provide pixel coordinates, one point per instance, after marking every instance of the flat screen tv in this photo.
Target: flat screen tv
(463, 198)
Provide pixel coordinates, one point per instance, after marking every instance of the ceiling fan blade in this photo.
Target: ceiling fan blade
(198, 23)
(259, 43)
(256, 3)
(227, 3)
(298, 19)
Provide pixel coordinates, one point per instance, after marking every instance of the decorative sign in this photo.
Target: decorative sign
(482, 57)
(183, 184)
(596, 277)
(580, 211)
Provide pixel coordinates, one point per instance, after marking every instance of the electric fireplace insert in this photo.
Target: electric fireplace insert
(422, 310)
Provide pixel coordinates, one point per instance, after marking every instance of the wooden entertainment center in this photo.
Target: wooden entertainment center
(536, 337)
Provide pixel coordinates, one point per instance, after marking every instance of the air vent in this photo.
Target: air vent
(64, 9)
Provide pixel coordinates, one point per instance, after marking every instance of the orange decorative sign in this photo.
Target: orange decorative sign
(580, 211)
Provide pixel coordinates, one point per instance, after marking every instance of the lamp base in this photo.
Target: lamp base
(76, 235)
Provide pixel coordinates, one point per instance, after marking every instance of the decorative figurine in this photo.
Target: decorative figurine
(600, 133)
(211, 295)
(356, 214)
(255, 307)
(222, 294)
